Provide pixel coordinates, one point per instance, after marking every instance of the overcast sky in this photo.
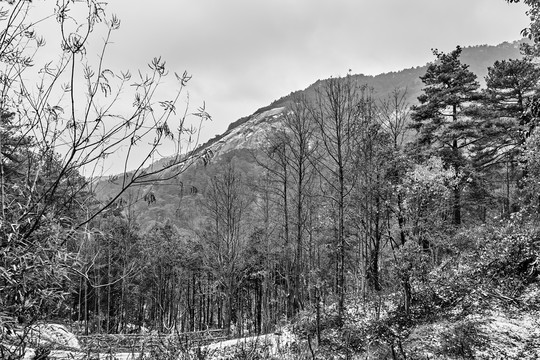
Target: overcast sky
(243, 54)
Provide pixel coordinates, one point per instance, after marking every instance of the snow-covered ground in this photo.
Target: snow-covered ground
(52, 334)
(274, 340)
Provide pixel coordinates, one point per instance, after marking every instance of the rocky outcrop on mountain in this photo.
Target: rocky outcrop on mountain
(250, 134)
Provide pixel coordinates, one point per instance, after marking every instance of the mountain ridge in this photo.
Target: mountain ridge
(384, 83)
(243, 136)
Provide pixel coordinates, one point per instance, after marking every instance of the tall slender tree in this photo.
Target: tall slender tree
(289, 163)
(335, 112)
(225, 241)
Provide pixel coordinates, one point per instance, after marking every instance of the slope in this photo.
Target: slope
(170, 199)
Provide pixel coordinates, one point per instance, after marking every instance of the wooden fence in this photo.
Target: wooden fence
(145, 342)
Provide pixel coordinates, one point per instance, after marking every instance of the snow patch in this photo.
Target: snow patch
(53, 334)
(512, 338)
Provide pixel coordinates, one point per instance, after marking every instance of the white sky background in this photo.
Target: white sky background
(243, 54)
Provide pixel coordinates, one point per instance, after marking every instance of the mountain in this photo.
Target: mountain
(173, 198)
(479, 58)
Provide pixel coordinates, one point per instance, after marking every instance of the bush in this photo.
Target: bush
(509, 257)
(462, 340)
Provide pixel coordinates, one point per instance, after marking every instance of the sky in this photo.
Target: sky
(243, 54)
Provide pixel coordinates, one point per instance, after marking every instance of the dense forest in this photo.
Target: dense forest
(359, 223)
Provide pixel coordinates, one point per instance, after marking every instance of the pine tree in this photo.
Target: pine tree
(510, 87)
(506, 122)
(443, 125)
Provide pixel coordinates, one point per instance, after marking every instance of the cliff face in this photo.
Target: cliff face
(250, 134)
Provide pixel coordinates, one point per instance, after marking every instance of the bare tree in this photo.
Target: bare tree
(225, 239)
(64, 124)
(335, 112)
(394, 114)
(288, 161)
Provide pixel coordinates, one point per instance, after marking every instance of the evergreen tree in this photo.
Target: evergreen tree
(506, 123)
(443, 125)
(511, 86)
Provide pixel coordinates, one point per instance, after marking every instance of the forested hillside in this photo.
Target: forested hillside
(249, 135)
(389, 217)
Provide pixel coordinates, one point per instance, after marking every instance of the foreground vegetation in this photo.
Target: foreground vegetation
(367, 227)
